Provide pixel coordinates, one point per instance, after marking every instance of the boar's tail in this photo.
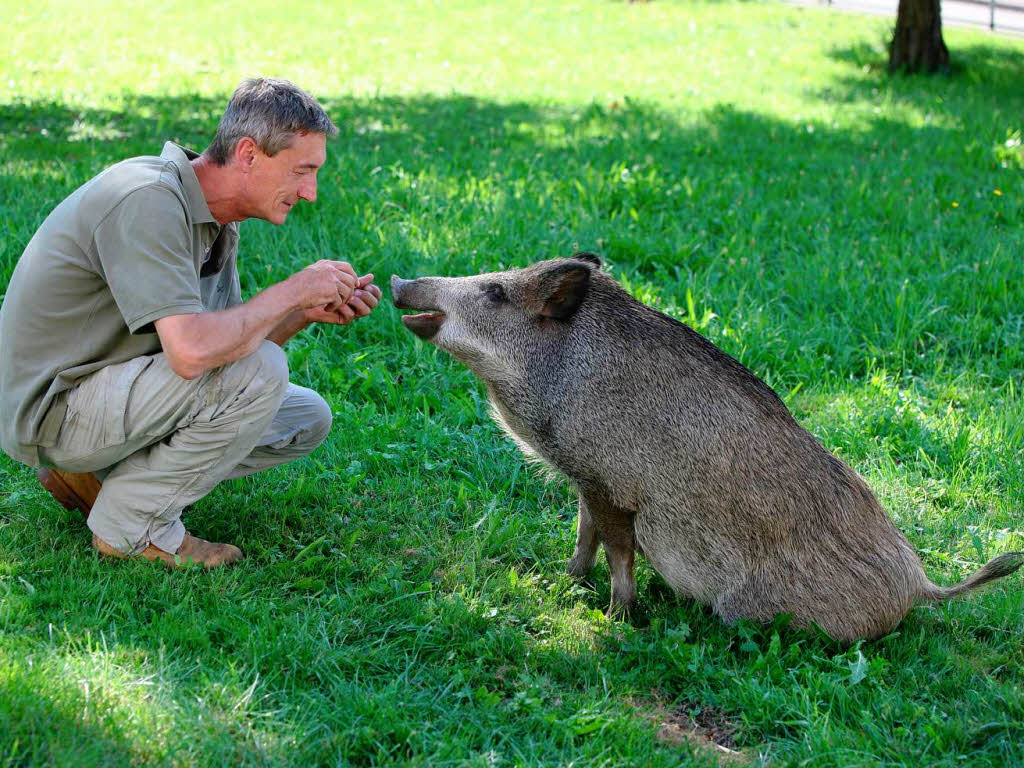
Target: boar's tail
(995, 568)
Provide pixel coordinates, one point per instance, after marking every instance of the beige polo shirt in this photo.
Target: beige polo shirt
(134, 244)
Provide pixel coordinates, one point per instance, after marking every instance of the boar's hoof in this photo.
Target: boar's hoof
(579, 570)
(630, 612)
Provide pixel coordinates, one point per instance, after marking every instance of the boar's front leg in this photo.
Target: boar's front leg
(620, 562)
(615, 530)
(585, 554)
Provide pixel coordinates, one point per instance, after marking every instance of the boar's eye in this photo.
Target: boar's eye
(494, 292)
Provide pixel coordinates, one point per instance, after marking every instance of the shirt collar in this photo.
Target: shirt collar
(193, 192)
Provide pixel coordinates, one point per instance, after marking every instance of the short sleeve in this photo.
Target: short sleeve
(144, 246)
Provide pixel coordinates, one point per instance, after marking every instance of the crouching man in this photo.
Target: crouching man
(131, 370)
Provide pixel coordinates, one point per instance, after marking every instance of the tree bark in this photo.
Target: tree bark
(917, 42)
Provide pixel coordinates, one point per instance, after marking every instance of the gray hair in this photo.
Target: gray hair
(270, 112)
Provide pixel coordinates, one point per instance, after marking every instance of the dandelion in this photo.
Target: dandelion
(956, 204)
(997, 192)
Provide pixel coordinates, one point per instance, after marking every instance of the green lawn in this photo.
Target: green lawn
(856, 240)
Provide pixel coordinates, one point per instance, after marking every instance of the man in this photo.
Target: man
(126, 351)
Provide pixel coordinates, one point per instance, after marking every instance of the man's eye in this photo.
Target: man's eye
(495, 292)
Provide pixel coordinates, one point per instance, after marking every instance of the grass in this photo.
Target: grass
(854, 239)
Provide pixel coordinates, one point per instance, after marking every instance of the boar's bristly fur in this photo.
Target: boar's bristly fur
(677, 451)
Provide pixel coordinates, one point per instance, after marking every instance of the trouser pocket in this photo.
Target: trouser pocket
(97, 407)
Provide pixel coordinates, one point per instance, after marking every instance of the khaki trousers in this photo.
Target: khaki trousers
(162, 442)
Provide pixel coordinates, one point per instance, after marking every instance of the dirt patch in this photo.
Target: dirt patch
(705, 729)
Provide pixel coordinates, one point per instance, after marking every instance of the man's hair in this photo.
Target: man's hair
(270, 112)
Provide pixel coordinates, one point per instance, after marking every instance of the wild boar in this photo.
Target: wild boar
(677, 451)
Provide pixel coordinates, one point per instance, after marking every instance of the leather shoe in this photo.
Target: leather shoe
(193, 549)
(74, 490)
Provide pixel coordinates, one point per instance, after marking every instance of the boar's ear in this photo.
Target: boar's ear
(561, 289)
(587, 256)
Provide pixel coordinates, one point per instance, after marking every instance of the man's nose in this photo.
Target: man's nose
(308, 190)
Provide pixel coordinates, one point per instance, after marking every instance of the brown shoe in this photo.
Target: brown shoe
(72, 489)
(192, 549)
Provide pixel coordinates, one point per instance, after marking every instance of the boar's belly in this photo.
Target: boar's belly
(694, 562)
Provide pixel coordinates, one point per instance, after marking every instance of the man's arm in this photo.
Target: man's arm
(196, 343)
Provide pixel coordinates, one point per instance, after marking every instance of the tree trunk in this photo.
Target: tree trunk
(917, 40)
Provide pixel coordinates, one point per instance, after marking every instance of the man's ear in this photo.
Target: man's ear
(246, 151)
(562, 289)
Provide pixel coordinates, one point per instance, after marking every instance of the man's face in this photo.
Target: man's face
(277, 183)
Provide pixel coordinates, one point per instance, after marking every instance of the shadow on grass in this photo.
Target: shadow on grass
(980, 75)
(736, 207)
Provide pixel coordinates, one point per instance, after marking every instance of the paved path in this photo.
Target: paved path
(1008, 21)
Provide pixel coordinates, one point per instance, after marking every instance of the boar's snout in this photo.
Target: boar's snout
(416, 294)
(398, 289)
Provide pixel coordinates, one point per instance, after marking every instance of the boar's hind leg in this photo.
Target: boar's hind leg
(585, 554)
(615, 530)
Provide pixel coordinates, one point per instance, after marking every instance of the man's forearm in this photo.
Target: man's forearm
(197, 343)
(294, 322)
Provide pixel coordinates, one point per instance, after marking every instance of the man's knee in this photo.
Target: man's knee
(301, 424)
(308, 417)
(321, 419)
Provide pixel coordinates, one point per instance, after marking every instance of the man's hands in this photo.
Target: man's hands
(360, 304)
(331, 292)
(324, 283)
(325, 292)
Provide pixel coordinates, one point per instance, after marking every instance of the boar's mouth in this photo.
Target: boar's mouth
(425, 325)
(411, 294)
